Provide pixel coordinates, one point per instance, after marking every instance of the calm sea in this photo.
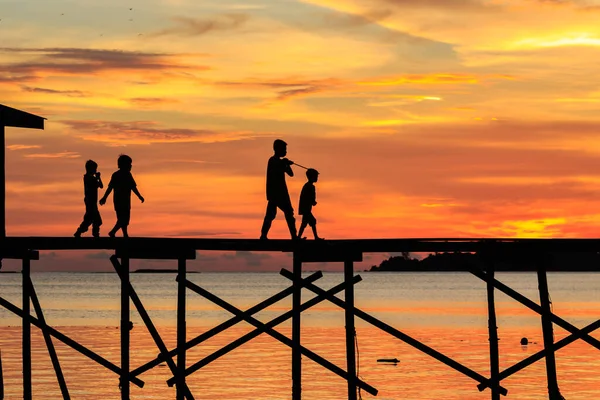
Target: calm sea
(446, 311)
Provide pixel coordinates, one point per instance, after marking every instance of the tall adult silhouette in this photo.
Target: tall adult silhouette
(277, 191)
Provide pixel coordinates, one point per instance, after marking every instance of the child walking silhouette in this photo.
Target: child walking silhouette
(91, 183)
(308, 199)
(123, 184)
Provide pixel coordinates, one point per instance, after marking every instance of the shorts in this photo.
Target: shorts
(309, 219)
(123, 216)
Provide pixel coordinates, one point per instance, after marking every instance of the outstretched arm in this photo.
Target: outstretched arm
(103, 199)
(138, 194)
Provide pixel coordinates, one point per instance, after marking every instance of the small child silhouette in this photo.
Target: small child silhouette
(308, 199)
(123, 184)
(91, 183)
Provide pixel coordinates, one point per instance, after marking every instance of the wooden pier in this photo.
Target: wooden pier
(346, 252)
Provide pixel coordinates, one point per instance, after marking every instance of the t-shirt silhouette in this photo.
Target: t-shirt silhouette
(308, 196)
(276, 186)
(90, 188)
(122, 183)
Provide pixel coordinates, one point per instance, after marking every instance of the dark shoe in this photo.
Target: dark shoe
(111, 234)
(96, 234)
(77, 234)
(262, 237)
(319, 238)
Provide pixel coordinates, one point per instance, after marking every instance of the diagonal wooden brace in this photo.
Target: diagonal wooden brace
(49, 345)
(226, 325)
(68, 341)
(537, 308)
(277, 335)
(149, 324)
(400, 335)
(249, 336)
(542, 353)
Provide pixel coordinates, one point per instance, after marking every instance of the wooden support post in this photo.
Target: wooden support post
(350, 332)
(493, 333)
(125, 325)
(1, 379)
(553, 391)
(296, 351)
(150, 325)
(227, 324)
(262, 327)
(26, 275)
(49, 345)
(181, 327)
(3, 184)
(268, 329)
(400, 335)
(68, 341)
(535, 307)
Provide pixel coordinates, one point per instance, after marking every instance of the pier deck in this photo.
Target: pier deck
(346, 251)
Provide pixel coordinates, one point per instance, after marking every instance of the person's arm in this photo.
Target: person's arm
(288, 166)
(103, 199)
(314, 196)
(100, 184)
(138, 194)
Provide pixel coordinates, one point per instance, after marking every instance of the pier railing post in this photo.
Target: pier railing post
(181, 328)
(493, 332)
(26, 276)
(350, 332)
(125, 326)
(548, 332)
(296, 344)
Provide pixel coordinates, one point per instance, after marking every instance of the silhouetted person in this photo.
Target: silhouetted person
(123, 184)
(308, 199)
(91, 183)
(277, 192)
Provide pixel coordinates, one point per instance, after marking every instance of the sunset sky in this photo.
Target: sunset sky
(429, 118)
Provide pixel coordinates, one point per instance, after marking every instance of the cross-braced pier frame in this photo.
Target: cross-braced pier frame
(344, 251)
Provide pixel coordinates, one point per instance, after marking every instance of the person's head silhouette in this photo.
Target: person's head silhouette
(312, 175)
(124, 162)
(280, 148)
(91, 167)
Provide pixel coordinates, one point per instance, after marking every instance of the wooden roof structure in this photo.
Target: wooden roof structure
(20, 119)
(16, 119)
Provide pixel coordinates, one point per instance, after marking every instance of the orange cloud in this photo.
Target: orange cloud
(146, 132)
(187, 26)
(149, 102)
(81, 61)
(14, 147)
(63, 154)
(424, 79)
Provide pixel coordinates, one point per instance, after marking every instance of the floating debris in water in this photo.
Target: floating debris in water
(388, 360)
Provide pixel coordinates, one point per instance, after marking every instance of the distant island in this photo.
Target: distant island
(454, 262)
(160, 271)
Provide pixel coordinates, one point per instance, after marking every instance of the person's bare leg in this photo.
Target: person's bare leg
(270, 215)
(114, 230)
(314, 229)
(291, 222)
(302, 227)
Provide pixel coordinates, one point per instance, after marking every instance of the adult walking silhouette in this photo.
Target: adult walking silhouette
(277, 191)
